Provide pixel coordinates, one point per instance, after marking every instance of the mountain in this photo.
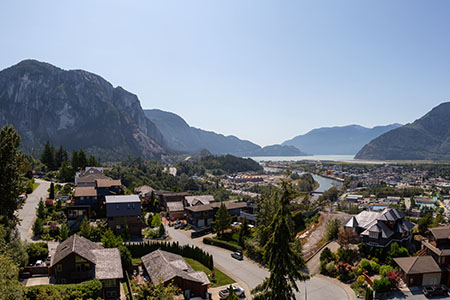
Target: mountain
(181, 137)
(344, 140)
(427, 138)
(278, 150)
(75, 109)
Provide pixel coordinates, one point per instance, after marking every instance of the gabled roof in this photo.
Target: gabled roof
(122, 199)
(165, 266)
(175, 206)
(78, 245)
(390, 214)
(352, 223)
(103, 183)
(418, 264)
(441, 233)
(108, 263)
(380, 227)
(91, 175)
(85, 191)
(364, 218)
(199, 200)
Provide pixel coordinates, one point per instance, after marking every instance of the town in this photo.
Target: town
(137, 228)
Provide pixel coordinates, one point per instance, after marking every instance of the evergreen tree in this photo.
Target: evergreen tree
(369, 294)
(66, 173)
(110, 240)
(38, 227)
(85, 228)
(92, 162)
(40, 211)
(161, 230)
(64, 232)
(51, 194)
(75, 161)
(156, 221)
(222, 219)
(231, 294)
(48, 157)
(82, 159)
(10, 286)
(10, 182)
(283, 261)
(243, 232)
(61, 156)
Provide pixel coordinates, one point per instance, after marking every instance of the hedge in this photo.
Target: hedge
(85, 290)
(221, 244)
(143, 248)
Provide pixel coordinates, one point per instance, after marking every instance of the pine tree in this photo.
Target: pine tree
(10, 183)
(92, 162)
(222, 219)
(82, 159)
(48, 157)
(75, 161)
(66, 173)
(40, 211)
(61, 156)
(64, 232)
(231, 294)
(51, 194)
(38, 227)
(85, 228)
(369, 294)
(283, 261)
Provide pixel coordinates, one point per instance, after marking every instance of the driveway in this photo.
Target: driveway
(249, 274)
(27, 213)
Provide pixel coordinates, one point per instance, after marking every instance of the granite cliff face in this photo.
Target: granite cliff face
(75, 109)
(427, 138)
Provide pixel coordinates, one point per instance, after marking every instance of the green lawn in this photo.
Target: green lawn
(220, 278)
(136, 261)
(35, 185)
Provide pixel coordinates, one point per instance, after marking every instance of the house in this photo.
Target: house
(108, 186)
(77, 259)
(379, 229)
(198, 200)
(89, 175)
(354, 198)
(86, 195)
(166, 197)
(419, 270)
(438, 246)
(166, 267)
(124, 211)
(425, 202)
(145, 193)
(94, 196)
(175, 210)
(203, 215)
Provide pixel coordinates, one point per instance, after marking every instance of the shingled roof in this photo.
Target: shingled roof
(441, 233)
(78, 245)
(165, 266)
(418, 264)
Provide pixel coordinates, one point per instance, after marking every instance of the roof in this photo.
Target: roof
(101, 183)
(108, 264)
(390, 214)
(85, 191)
(175, 206)
(441, 233)
(78, 245)
(165, 266)
(364, 218)
(91, 176)
(418, 264)
(211, 206)
(441, 251)
(144, 190)
(199, 200)
(122, 199)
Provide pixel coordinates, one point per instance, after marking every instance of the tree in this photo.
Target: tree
(92, 162)
(231, 294)
(38, 227)
(222, 219)
(110, 240)
(369, 294)
(283, 262)
(51, 194)
(425, 222)
(332, 229)
(156, 221)
(61, 156)
(85, 228)
(10, 170)
(347, 237)
(48, 157)
(40, 210)
(161, 230)
(125, 257)
(160, 291)
(64, 232)
(243, 232)
(37, 251)
(66, 173)
(10, 286)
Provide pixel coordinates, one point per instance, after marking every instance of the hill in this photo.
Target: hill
(427, 138)
(343, 140)
(75, 109)
(278, 150)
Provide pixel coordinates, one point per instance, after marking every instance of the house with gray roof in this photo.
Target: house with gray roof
(77, 259)
(379, 229)
(166, 267)
(124, 213)
(419, 270)
(438, 246)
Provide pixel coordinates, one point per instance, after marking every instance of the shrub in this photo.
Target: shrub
(346, 255)
(382, 285)
(221, 244)
(394, 277)
(85, 290)
(361, 280)
(327, 255)
(375, 267)
(365, 265)
(37, 251)
(384, 269)
(330, 268)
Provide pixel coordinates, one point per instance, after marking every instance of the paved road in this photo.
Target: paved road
(252, 274)
(28, 212)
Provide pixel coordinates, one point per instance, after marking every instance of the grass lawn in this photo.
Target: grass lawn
(125, 287)
(35, 185)
(136, 261)
(220, 278)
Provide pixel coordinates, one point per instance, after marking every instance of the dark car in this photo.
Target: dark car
(237, 255)
(435, 290)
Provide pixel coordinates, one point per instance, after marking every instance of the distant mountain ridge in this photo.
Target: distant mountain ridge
(180, 136)
(339, 140)
(427, 138)
(75, 109)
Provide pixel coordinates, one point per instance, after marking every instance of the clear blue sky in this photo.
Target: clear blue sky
(261, 70)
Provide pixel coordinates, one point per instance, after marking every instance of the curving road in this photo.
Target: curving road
(27, 213)
(250, 274)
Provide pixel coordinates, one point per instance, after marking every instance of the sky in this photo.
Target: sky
(261, 70)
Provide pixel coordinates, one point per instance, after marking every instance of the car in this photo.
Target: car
(435, 290)
(177, 224)
(237, 255)
(251, 226)
(223, 294)
(236, 224)
(39, 263)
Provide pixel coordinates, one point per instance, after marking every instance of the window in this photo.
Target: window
(110, 294)
(59, 268)
(373, 234)
(129, 206)
(110, 283)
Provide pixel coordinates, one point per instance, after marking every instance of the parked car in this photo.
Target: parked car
(39, 263)
(223, 294)
(177, 224)
(236, 224)
(237, 255)
(435, 290)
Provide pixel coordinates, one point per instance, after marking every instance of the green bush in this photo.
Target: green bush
(327, 255)
(221, 244)
(37, 251)
(85, 290)
(382, 285)
(384, 269)
(365, 265)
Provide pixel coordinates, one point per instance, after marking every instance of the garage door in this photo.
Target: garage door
(430, 279)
